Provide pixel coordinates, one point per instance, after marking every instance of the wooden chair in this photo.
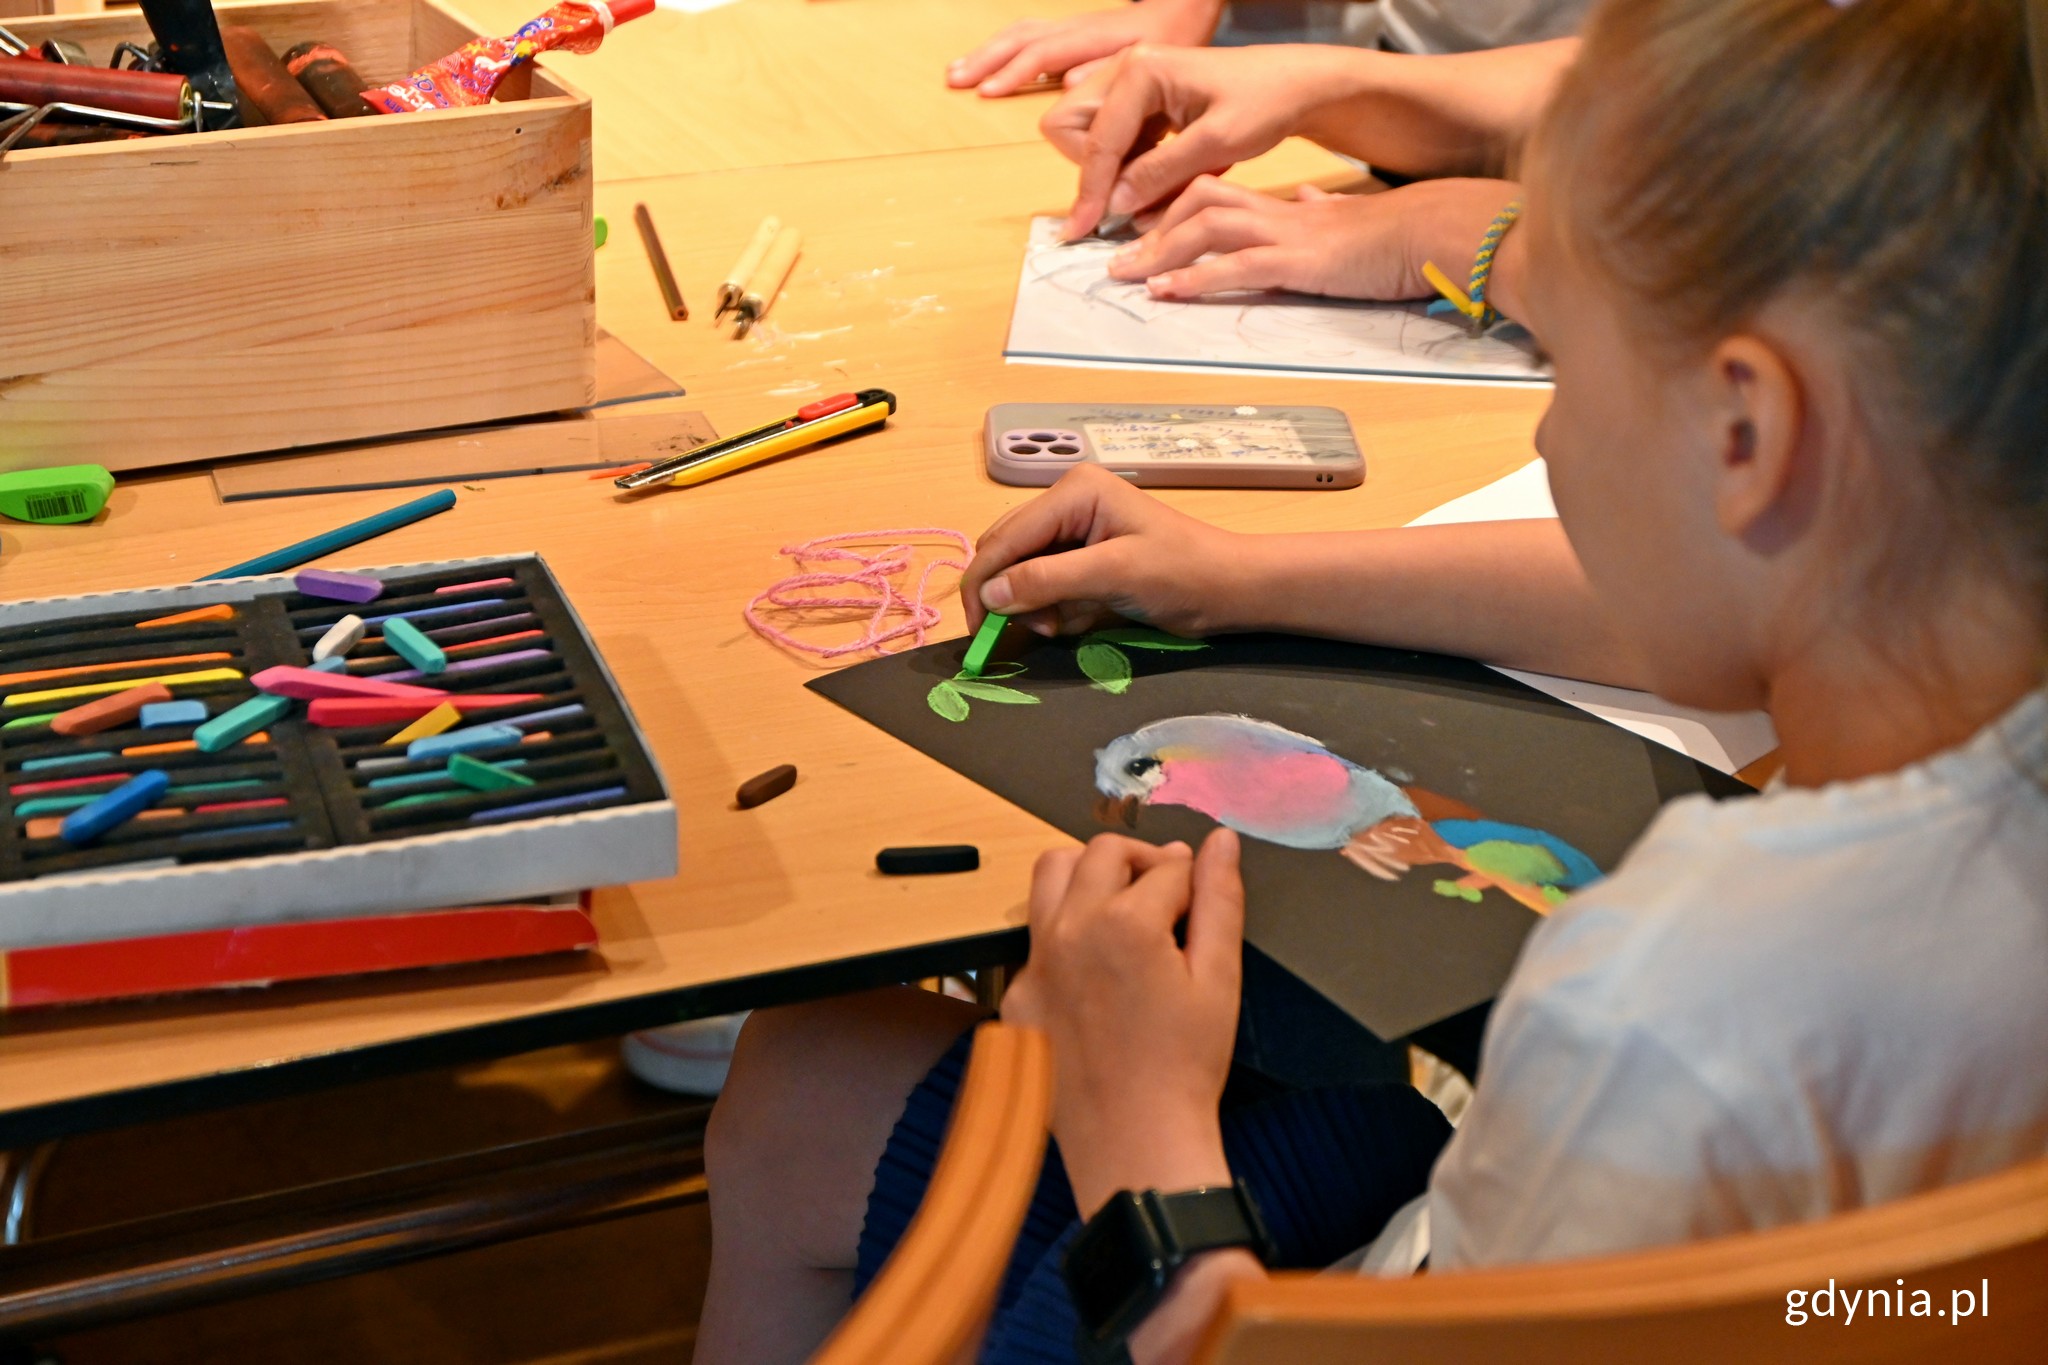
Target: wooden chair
(932, 1299)
(1711, 1302)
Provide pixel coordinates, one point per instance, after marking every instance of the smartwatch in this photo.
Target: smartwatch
(1120, 1265)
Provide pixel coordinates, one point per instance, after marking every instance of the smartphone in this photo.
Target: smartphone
(1160, 445)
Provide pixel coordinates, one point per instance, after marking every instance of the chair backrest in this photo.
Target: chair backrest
(1978, 1250)
(932, 1299)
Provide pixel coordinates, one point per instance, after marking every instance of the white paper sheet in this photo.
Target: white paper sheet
(1069, 310)
(1724, 740)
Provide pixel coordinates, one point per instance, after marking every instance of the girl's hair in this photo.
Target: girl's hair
(1884, 159)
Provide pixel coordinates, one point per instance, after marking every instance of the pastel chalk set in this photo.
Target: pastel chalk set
(246, 782)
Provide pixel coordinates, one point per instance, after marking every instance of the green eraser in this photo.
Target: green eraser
(983, 644)
(71, 492)
(603, 230)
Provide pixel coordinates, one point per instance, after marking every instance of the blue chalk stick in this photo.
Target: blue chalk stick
(463, 740)
(234, 831)
(428, 778)
(333, 664)
(544, 717)
(159, 713)
(237, 724)
(415, 648)
(118, 806)
(423, 613)
(552, 803)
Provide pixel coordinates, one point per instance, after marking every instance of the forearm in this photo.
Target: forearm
(1458, 114)
(1508, 593)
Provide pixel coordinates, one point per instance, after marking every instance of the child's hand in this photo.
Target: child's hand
(1349, 246)
(1092, 548)
(1024, 51)
(1225, 106)
(1141, 1028)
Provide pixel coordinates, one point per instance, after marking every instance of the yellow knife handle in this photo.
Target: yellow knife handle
(838, 424)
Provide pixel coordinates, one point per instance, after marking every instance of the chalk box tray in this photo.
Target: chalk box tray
(303, 822)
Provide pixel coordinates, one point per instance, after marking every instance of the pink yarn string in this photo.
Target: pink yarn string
(813, 588)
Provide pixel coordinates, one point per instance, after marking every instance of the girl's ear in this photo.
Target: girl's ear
(1760, 408)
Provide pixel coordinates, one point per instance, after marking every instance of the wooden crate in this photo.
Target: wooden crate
(186, 298)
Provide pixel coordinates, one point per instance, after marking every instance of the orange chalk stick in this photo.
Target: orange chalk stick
(48, 826)
(81, 670)
(219, 612)
(184, 746)
(107, 712)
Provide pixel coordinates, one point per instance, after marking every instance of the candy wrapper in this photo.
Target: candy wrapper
(470, 75)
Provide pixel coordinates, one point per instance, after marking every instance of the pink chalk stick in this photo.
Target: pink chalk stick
(480, 583)
(307, 684)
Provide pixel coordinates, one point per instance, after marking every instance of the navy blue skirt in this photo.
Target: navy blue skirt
(1327, 1167)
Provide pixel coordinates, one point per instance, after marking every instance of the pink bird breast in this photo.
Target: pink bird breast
(1261, 794)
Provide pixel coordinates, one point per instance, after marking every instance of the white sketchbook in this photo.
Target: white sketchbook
(1725, 740)
(1070, 312)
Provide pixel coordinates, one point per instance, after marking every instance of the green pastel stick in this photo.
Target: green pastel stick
(484, 777)
(413, 646)
(983, 644)
(23, 722)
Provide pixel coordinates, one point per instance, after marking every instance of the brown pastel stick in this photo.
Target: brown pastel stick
(766, 786)
(329, 79)
(104, 713)
(263, 78)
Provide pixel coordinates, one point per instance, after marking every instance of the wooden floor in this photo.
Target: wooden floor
(622, 1293)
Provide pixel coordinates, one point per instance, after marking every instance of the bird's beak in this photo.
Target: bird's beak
(1117, 811)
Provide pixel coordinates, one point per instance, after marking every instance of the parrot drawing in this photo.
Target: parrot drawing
(1270, 783)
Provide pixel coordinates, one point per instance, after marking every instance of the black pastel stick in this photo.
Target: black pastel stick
(190, 38)
(913, 862)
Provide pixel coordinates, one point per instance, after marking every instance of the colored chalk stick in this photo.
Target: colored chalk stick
(232, 784)
(495, 640)
(422, 799)
(341, 637)
(44, 805)
(427, 778)
(306, 684)
(982, 645)
(160, 713)
(442, 717)
(415, 648)
(220, 611)
(229, 726)
(336, 586)
(185, 746)
(484, 777)
(52, 826)
(544, 807)
(480, 583)
(28, 722)
(117, 807)
(65, 783)
(234, 831)
(423, 613)
(510, 656)
(84, 670)
(33, 765)
(204, 675)
(107, 712)
(457, 741)
(342, 712)
(917, 862)
(568, 712)
(765, 787)
(260, 803)
(330, 665)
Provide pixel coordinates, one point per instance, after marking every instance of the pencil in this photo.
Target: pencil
(678, 311)
(341, 537)
(769, 279)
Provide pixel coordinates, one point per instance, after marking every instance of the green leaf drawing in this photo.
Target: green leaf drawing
(1144, 637)
(945, 699)
(988, 691)
(1008, 669)
(1107, 667)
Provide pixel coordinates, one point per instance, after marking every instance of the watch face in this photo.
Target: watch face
(1116, 1263)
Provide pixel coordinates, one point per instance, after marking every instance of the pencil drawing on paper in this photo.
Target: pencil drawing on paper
(1270, 783)
(1069, 309)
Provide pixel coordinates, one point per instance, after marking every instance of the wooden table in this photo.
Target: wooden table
(907, 277)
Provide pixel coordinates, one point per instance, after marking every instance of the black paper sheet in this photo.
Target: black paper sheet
(1397, 955)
